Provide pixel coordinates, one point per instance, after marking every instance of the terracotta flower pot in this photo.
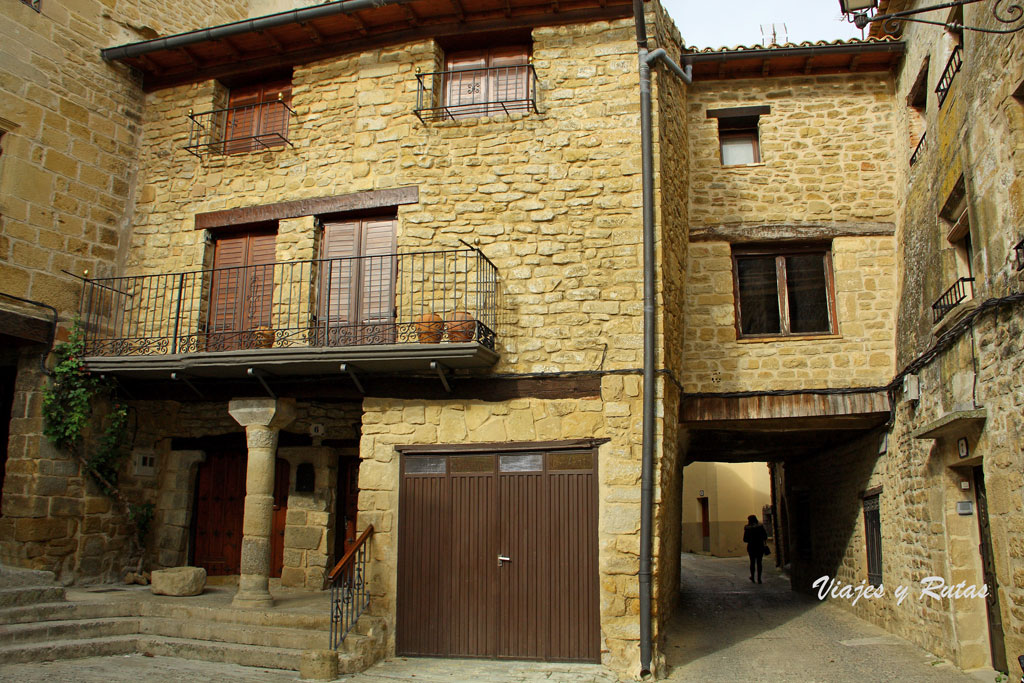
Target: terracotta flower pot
(429, 328)
(263, 336)
(460, 326)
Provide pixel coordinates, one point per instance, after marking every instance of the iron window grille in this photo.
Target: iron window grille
(873, 539)
(960, 290)
(949, 73)
(468, 93)
(233, 130)
(1018, 255)
(350, 301)
(917, 150)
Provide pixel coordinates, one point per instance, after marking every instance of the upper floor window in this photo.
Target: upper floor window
(784, 291)
(917, 111)
(738, 134)
(257, 117)
(483, 82)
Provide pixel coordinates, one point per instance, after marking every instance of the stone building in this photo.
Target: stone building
(378, 265)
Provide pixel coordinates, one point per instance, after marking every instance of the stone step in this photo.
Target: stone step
(30, 595)
(69, 630)
(242, 634)
(226, 615)
(61, 611)
(68, 649)
(229, 653)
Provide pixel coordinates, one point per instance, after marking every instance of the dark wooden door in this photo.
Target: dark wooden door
(705, 525)
(995, 619)
(347, 505)
(498, 556)
(220, 501)
(242, 286)
(282, 482)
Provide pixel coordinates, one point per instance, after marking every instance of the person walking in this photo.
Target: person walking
(756, 538)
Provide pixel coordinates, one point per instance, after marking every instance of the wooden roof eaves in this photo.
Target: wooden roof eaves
(169, 77)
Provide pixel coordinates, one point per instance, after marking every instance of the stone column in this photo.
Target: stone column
(262, 418)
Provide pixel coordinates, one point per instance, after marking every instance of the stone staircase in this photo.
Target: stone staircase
(38, 622)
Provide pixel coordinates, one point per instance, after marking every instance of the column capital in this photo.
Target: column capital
(263, 412)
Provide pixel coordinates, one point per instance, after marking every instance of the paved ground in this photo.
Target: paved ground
(729, 629)
(726, 629)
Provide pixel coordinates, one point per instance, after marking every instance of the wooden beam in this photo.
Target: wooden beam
(226, 42)
(739, 233)
(781, 411)
(24, 327)
(372, 199)
(360, 24)
(414, 20)
(809, 64)
(462, 448)
(460, 11)
(278, 47)
(189, 56)
(314, 35)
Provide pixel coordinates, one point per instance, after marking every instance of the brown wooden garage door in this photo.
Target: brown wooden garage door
(460, 516)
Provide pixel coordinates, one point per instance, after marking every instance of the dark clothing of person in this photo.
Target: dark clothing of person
(755, 536)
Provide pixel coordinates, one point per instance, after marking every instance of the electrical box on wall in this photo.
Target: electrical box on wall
(145, 462)
(965, 508)
(911, 388)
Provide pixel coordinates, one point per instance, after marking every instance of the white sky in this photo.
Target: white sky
(726, 23)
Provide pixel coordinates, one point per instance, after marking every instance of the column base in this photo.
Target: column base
(252, 599)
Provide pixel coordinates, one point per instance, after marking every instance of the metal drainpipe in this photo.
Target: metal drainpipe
(650, 324)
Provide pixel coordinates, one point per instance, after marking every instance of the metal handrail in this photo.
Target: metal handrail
(244, 128)
(949, 73)
(917, 150)
(350, 595)
(951, 298)
(436, 296)
(469, 93)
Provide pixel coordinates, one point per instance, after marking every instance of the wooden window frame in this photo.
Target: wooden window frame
(489, 104)
(752, 135)
(781, 285)
(739, 123)
(265, 131)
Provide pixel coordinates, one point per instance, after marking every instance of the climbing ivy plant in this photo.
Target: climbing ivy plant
(69, 420)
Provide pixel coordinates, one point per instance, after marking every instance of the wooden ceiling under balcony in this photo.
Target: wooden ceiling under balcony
(312, 33)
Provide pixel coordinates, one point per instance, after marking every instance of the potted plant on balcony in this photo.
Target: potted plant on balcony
(460, 326)
(429, 328)
(263, 337)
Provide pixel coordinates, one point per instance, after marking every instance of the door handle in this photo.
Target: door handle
(502, 559)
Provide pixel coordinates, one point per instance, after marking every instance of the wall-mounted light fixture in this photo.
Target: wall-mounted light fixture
(860, 12)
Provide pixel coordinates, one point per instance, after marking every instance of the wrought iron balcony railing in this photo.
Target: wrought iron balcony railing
(949, 73)
(917, 150)
(961, 289)
(470, 93)
(248, 128)
(436, 296)
(1018, 255)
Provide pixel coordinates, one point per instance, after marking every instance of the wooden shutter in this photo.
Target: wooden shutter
(466, 82)
(338, 248)
(509, 79)
(241, 287)
(377, 296)
(253, 120)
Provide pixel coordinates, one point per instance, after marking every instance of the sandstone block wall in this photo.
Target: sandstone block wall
(553, 198)
(826, 149)
(861, 354)
(615, 415)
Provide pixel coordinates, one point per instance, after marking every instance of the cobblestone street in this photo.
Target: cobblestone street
(729, 629)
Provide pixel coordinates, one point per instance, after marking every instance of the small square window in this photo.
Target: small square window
(145, 463)
(738, 134)
(784, 293)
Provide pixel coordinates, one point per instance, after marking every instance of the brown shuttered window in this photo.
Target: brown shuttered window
(357, 281)
(242, 286)
(257, 117)
(485, 78)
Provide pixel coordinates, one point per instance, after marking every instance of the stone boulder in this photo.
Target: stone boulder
(178, 581)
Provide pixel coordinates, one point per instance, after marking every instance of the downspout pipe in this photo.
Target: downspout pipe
(646, 59)
(298, 16)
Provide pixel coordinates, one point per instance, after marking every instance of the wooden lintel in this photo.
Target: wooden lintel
(462, 448)
(372, 199)
(28, 328)
(738, 233)
(773, 411)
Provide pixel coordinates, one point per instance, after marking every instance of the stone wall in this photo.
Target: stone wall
(861, 354)
(614, 415)
(826, 149)
(552, 198)
(71, 130)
